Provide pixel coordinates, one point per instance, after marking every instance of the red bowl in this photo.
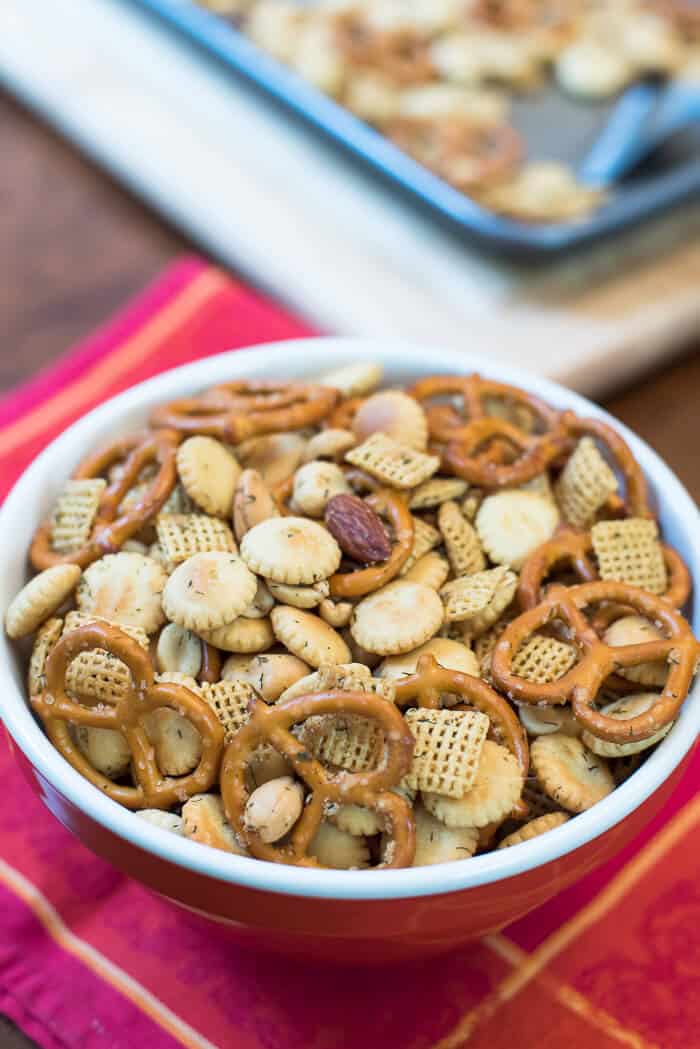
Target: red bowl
(345, 930)
(345, 915)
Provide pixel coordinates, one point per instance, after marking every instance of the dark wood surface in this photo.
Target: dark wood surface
(75, 246)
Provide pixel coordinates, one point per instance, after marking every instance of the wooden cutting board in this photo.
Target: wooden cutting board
(266, 195)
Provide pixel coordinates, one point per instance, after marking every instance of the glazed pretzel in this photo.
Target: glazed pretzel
(431, 680)
(281, 492)
(443, 144)
(143, 696)
(366, 580)
(523, 15)
(574, 547)
(636, 499)
(210, 669)
(372, 789)
(403, 54)
(581, 684)
(235, 411)
(109, 532)
(462, 455)
(470, 437)
(685, 14)
(344, 414)
(473, 391)
(569, 545)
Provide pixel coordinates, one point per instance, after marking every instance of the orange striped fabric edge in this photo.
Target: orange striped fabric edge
(531, 965)
(139, 995)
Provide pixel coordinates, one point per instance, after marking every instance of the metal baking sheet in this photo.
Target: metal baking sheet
(554, 127)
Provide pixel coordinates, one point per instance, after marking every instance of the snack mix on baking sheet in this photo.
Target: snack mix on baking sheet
(331, 625)
(437, 76)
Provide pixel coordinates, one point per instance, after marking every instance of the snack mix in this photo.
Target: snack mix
(438, 77)
(331, 625)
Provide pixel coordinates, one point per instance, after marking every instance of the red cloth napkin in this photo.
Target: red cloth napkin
(89, 959)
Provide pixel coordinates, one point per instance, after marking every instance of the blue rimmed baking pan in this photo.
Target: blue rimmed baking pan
(554, 127)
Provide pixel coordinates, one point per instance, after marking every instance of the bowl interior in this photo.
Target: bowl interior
(34, 493)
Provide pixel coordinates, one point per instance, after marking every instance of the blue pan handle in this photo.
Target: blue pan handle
(679, 108)
(623, 141)
(645, 116)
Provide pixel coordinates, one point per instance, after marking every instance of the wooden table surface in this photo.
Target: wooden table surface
(76, 246)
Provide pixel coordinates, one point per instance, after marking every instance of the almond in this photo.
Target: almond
(356, 528)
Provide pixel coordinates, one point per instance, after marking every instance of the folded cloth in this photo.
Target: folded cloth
(89, 959)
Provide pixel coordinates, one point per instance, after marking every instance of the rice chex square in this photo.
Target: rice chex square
(447, 751)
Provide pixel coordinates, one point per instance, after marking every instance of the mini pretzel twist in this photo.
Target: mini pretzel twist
(470, 437)
(127, 716)
(463, 457)
(235, 411)
(598, 661)
(493, 150)
(473, 390)
(371, 789)
(636, 498)
(685, 14)
(523, 15)
(403, 54)
(109, 532)
(344, 413)
(281, 492)
(367, 580)
(210, 669)
(431, 680)
(573, 547)
(569, 545)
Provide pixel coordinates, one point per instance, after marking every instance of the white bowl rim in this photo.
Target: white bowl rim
(307, 357)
